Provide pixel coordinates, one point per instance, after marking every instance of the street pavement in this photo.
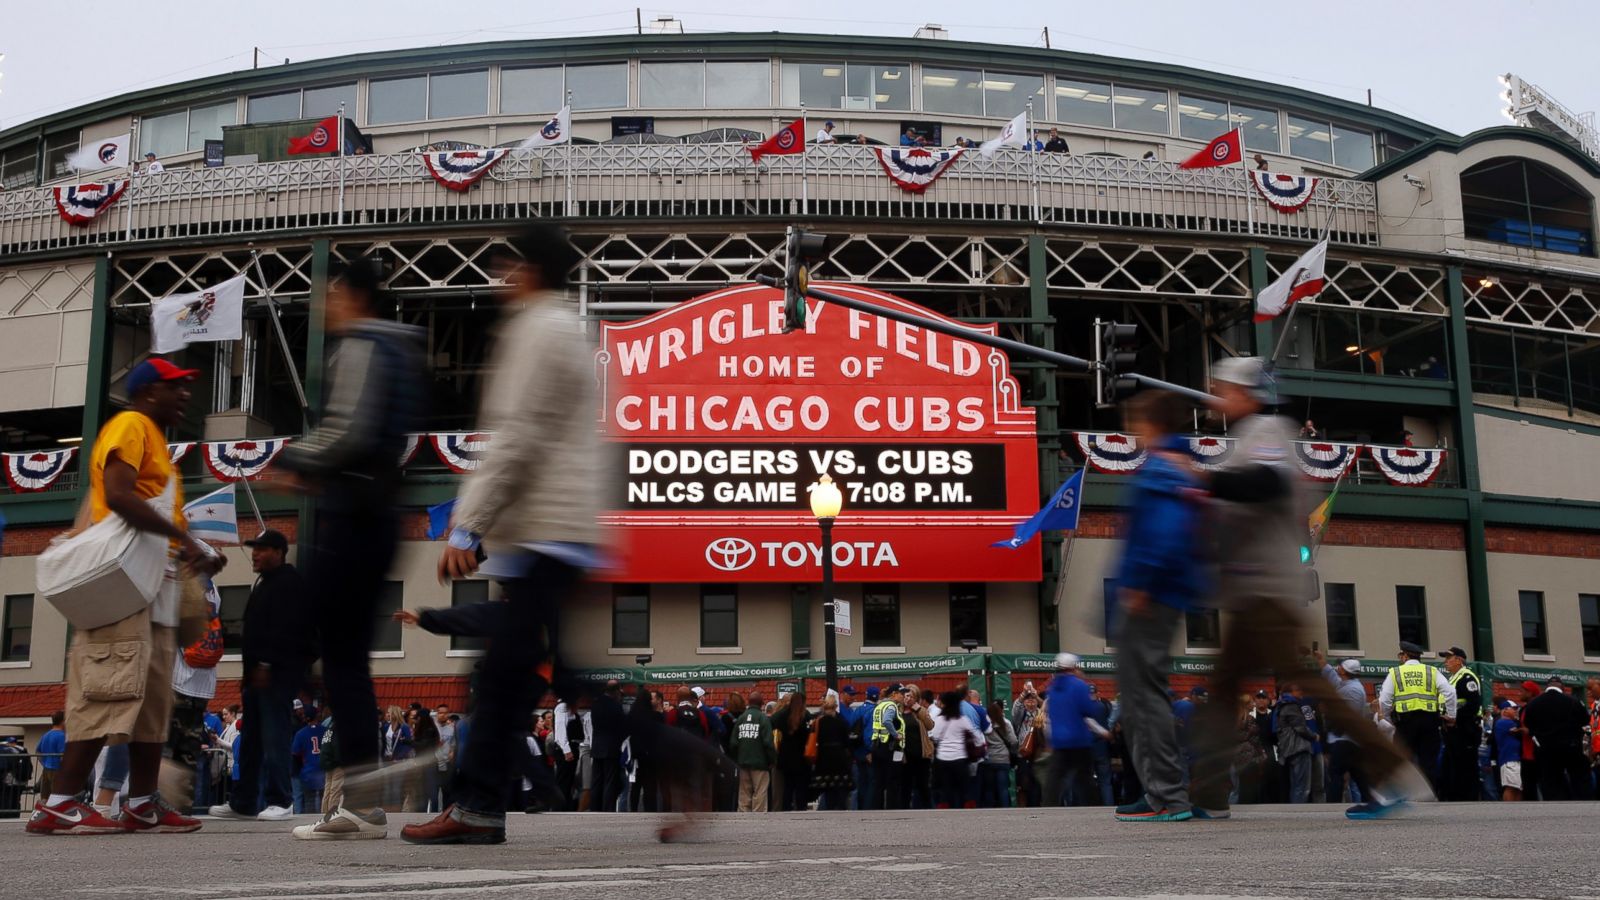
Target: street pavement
(1436, 850)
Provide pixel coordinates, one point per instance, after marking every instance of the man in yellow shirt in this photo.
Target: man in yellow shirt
(119, 676)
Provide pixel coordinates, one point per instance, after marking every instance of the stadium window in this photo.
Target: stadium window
(1260, 127)
(16, 628)
(1083, 103)
(1005, 94)
(719, 615)
(630, 615)
(453, 95)
(955, 91)
(385, 630)
(1200, 119)
(969, 614)
(321, 102)
(466, 593)
(1411, 608)
(1310, 139)
(1139, 109)
(205, 122)
(1203, 629)
(1341, 603)
(1518, 201)
(1353, 149)
(1535, 637)
(836, 85)
(282, 107)
(1589, 620)
(738, 85)
(18, 167)
(164, 135)
(603, 86)
(880, 615)
(817, 85)
(531, 91)
(672, 85)
(234, 597)
(397, 100)
(891, 85)
(57, 147)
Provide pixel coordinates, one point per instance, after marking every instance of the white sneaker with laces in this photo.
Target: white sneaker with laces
(346, 825)
(226, 811)
(275, 814)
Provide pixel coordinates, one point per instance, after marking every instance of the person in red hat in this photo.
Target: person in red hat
(130, 474)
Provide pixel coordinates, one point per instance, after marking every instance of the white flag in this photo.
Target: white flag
(1015, 134)
(1300, 281)
(556, 131)
(106, 153)
(214, 517)
(214, 314)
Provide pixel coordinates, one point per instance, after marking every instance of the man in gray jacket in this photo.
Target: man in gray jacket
(531, 510)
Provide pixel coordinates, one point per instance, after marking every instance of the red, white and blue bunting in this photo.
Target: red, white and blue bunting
(180, 450)
(459, 170)
(1210, 452)
(1325, 461)
(1110, 451)
(80, 203)
(413, 441)
(1407, 465)
(239, 460)
(462, 451)
(1284, 193)
(37, 470)
(914, 168)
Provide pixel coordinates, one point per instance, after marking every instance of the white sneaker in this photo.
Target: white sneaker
(111, 812)
(226, 811)
(275, 814)
(346, 825)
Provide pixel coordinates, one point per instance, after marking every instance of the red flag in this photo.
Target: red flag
(1224, 151)
(321, 139)
(792, 139)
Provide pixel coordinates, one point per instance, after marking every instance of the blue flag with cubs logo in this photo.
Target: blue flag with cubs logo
(1060, 514)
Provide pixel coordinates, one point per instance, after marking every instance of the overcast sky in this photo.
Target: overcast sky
(1434, 60)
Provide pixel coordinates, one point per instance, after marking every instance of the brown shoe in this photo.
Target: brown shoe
(451, 827)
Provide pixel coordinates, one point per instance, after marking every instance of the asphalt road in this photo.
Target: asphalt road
(1436, 851)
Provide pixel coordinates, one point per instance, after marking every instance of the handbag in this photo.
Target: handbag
(194, 612)
(811, 747)
(1030, 744)
(977, 752)
(106, 572)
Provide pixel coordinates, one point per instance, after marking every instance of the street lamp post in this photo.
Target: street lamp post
(825, 503)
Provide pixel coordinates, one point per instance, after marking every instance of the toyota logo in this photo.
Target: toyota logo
(730, 554)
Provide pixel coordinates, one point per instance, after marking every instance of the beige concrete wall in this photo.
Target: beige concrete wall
(1516, 457)
(1375, 573)
(1561, 579)
(44, 334)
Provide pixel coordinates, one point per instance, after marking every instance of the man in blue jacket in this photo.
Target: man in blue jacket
(1070, 709)
(1159, 579)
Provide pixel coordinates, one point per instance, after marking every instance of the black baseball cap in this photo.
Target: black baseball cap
(272, 540)
(1410, 648)
(1453, 651)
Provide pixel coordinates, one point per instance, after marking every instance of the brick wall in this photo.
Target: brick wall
(1345, 532)
(1542, 542)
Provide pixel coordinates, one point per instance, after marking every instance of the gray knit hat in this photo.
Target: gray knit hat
(1248, 372)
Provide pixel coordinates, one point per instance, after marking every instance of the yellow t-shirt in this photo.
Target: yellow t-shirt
(135, 439)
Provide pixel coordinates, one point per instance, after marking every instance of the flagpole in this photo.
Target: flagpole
(1033, 165)
(570, 213)
(283, 340)
(1283, 335)
(805, 131)
(1249, 208)
(340, 151)
(127, 206)
(251, 495)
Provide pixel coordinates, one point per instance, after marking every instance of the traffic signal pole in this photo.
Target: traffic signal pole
(1019, 348)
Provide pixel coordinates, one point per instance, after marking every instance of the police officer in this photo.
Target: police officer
(888, 749)
(1420, 701)
(1462, 739)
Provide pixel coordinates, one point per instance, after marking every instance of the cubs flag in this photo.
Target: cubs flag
(107, 153)
(1060, 514)
(1302, 280)
(321, 139)
(1226, 150)
(789, 139)
(214, 314)
(1015, 134)
(214, 517)
(556, 131)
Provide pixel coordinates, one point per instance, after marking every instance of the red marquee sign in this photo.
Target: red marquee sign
(724, 422)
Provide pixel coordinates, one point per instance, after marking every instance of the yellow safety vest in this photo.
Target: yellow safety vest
(1461, 702)
(880, 732)
(1416, 689)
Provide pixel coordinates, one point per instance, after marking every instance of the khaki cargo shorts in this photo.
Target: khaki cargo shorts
(119, 681)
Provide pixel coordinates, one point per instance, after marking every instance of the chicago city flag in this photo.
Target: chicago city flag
(214, 517)
(1226, 150)
(1302, 280)
(789, 139)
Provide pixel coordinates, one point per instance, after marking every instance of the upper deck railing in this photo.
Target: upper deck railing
(683, 181)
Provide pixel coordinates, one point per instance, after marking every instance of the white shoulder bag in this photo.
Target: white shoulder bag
(106, 572)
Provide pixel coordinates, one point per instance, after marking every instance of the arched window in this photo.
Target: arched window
(1518, 201)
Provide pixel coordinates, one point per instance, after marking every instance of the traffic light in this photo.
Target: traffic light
(1115, 352)
(800, 247)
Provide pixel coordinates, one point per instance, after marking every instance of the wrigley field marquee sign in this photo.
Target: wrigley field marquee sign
(724, 422)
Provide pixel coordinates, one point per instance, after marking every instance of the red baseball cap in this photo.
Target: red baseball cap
(1530, 687)
(153, 370)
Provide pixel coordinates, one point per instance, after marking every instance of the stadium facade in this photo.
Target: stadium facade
(1462, 315)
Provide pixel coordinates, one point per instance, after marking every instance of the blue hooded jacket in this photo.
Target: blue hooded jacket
(1067, 702)
(1162, 552)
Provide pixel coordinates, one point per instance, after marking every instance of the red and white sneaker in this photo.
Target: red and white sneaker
(71, 817)
(157, 816)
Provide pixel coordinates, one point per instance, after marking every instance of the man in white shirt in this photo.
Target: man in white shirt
(825, 133)
(152, 166)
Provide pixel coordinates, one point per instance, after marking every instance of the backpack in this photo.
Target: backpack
(574, 730)
(688, 718)
(206, 652)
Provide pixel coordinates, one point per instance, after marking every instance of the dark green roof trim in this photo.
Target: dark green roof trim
(1541, 512)
(600, 48)
(1452, 144)
(1371, 388)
